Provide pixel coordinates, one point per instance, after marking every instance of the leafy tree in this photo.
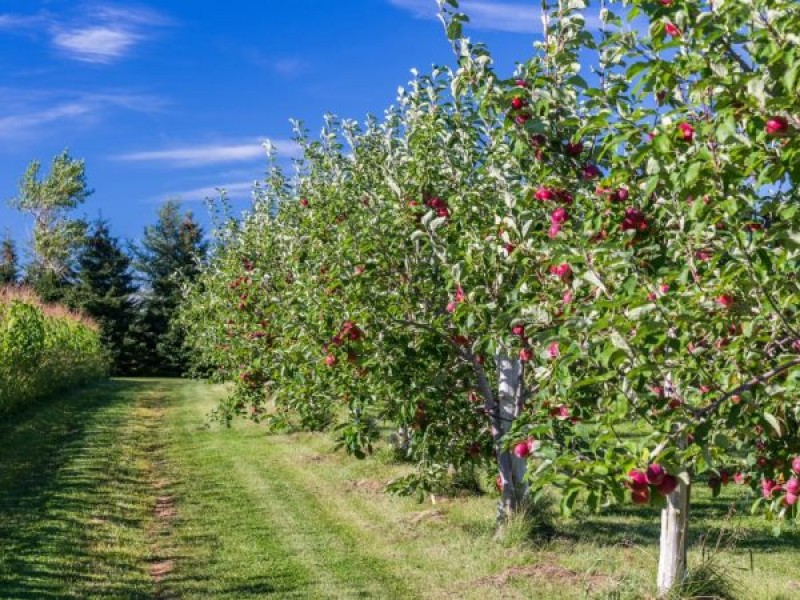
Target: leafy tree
(170, 255)
(104, 289)
(56, 236)
(9, 267)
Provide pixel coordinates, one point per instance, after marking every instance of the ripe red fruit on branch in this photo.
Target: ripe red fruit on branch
(725, 300)
(518, 330)
(590, 171)
(522, 450)
(793, 486)
(553, 350)
(672, 30)
(686, 132)
(667, 485)
(330, 360)
(559, 216)
(545, 193)
(562, 271)
(637, 479)
(655, 474)
(517, 103)
(640, 496)
(776, 126)
(303, 202)
(525, 354)
(796, 465)
(634, 220)
(575, 149)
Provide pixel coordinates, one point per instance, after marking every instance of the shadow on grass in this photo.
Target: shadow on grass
(75, 498)
(710, 519)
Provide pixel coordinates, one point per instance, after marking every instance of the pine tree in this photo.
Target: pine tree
(104, 289)
(170, 255)
(9, 267)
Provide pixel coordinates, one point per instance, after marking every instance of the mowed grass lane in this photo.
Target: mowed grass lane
(127, 491)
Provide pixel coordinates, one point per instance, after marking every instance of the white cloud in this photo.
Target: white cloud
(18, 22)
(234, 190)
(31, 113)
(197, 156)
(495, 16)
(18, 125)
(96, 44)
(98, 34)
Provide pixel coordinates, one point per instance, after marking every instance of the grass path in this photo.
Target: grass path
(125, 491)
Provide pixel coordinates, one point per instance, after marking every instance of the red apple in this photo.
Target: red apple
(725, 300)
(525, 354)
(686, 132)
(641, 496)
(655, 474)
(518, 330)
(517, 103)
(777, 126)
(522, 450)
(545, 193)
(672, 30)
(796, 465)
(668, 485)
(637, 479)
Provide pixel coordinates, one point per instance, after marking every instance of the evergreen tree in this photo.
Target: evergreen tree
(9, 267)
(56, 236)
(170, 255)
(104, 289)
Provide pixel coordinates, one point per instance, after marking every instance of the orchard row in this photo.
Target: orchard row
(589, 267)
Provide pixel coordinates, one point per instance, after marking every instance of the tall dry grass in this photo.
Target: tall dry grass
(45, 349)
(21, 293)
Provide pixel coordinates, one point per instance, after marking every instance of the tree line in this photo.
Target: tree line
(131, 290)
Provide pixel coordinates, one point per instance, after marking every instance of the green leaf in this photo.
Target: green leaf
(769, 418)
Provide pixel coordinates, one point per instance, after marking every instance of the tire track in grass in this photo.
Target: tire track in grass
(291, 544)
(74, 502)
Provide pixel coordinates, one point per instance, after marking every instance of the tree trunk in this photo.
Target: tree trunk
(674, 530)
(512, 469)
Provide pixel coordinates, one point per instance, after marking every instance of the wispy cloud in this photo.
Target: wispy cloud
(288, 66)
(31, 113)
(96, 44)
(99, 34)
(234, 190)
(211, 154)
(495, 16)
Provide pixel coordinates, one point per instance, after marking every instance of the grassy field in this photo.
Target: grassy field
(126, 491)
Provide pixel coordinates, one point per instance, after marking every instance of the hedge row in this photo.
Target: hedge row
(44, 350)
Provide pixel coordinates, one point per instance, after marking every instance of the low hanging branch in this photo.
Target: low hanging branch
(757, 380)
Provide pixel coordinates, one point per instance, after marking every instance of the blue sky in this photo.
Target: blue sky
(170, 99)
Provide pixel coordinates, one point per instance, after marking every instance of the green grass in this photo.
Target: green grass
(126, 491)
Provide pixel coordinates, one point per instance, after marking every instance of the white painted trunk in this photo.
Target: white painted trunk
(674, 530)
(512, 469)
